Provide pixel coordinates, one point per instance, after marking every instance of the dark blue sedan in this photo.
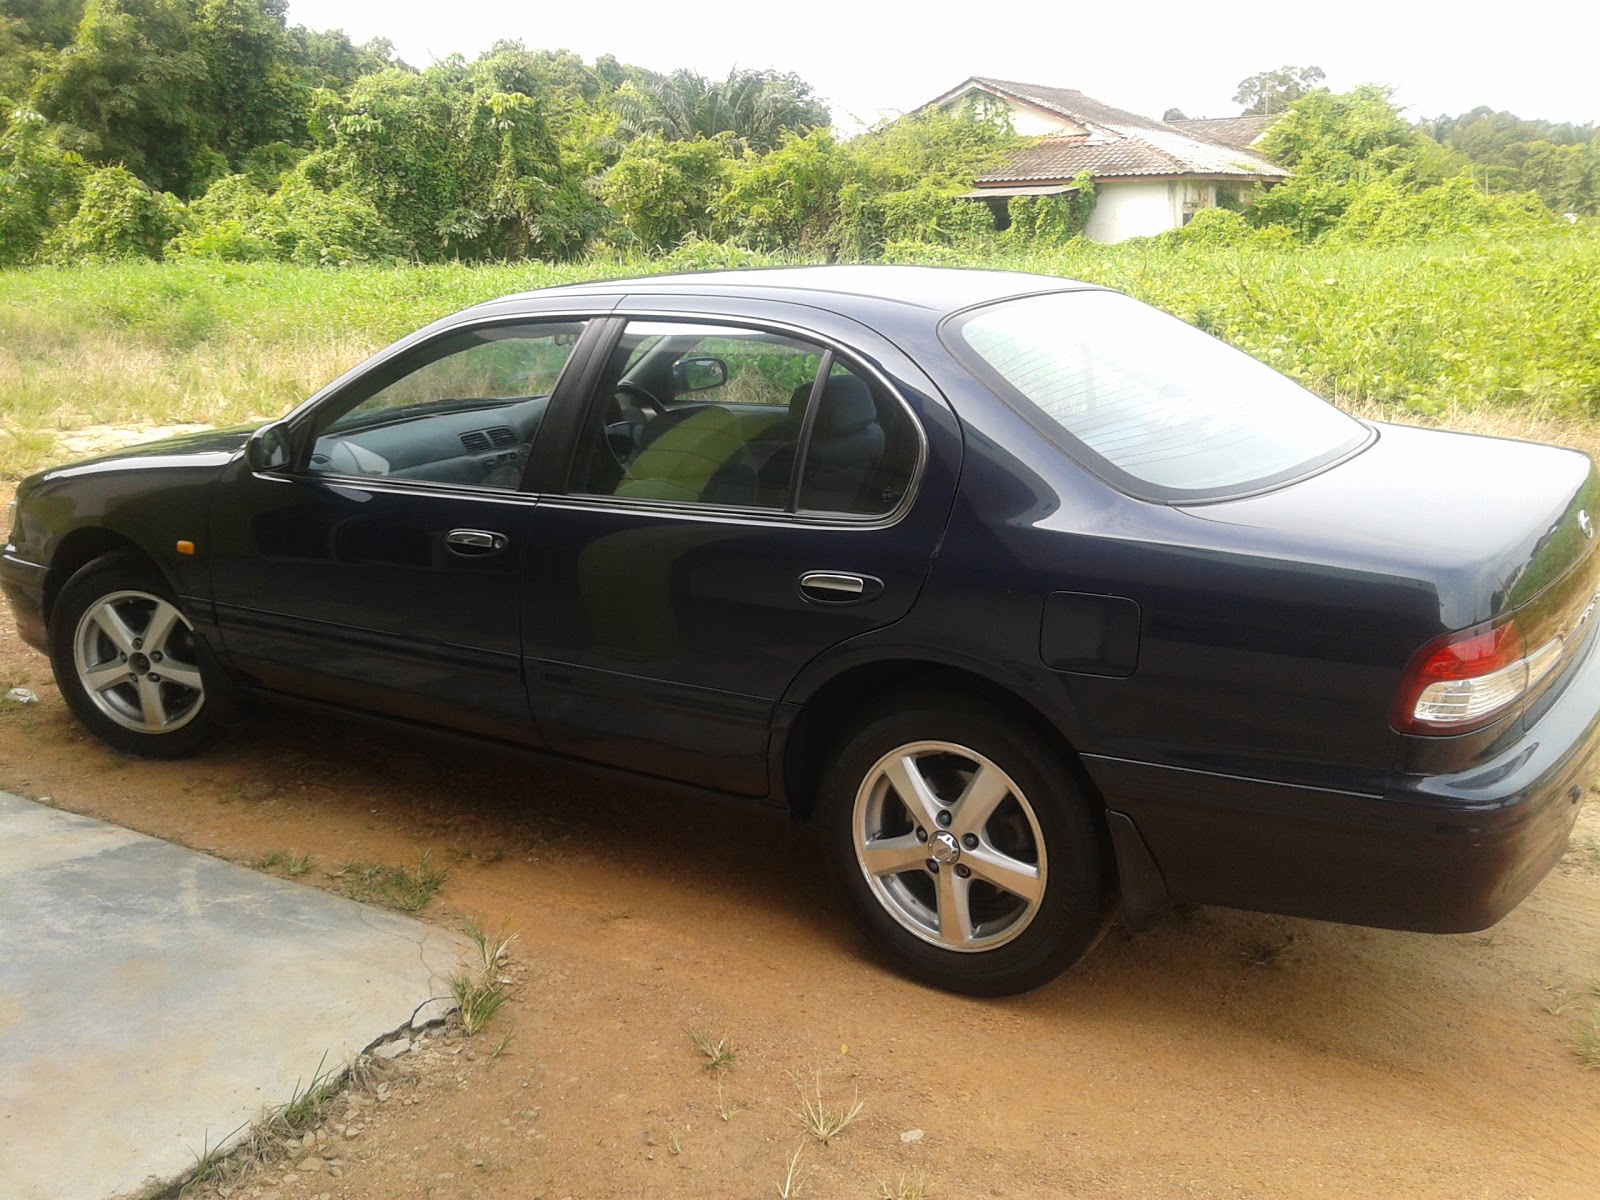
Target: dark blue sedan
(1041, 602)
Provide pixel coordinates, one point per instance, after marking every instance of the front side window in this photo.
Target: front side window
(743, 418)
(464, 409)
(1153, 405)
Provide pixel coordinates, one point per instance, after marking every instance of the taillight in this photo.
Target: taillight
(1463, 681)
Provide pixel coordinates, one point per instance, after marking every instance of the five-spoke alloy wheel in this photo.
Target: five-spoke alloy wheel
(128, 661)
(967, 847)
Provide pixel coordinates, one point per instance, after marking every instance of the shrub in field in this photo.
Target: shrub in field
(1052, 220)
(39, 184)
(663, 192)
(1384, 214)
(236, 221)
(117, 217)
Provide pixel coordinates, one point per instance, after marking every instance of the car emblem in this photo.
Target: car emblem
(1585, 524)
(943, 848)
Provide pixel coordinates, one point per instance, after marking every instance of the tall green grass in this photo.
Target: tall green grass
(1507, 327)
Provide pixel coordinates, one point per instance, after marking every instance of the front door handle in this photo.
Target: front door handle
(839, 587)
(474, 541)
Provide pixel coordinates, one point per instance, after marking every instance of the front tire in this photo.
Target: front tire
(129, 663)
(967, 849)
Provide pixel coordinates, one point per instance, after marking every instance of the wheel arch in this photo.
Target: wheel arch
(832, 707)
(81, 547)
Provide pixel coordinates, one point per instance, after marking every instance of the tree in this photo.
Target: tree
(664, 191)
(1273, 91)
(756, 107)
(131, 90)
(1176, 114)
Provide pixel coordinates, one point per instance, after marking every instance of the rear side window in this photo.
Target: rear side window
(690, 413)
(1151, 404)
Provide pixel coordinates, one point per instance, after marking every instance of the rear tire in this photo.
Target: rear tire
(966, 847)
(129, 663)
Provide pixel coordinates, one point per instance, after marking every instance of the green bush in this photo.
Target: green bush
(39, 185)
(117, 217)
(1384, 214)
(663, 192)
(235, 221)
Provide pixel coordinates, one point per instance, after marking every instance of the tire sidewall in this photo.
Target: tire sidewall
(86, 588)
(1072, 914)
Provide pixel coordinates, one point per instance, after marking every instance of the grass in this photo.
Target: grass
(268, 1137)
(718, 1052)
(906, 1187)
(293, 865)
(478, 987)
(397, 887)
(1440, 331)
(791, 1185)
(1587, 1046)
(822, 1118)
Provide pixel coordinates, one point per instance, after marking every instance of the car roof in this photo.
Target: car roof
(936, 289)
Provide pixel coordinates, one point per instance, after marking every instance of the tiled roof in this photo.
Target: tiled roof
(1237, 132)
(1118, 143)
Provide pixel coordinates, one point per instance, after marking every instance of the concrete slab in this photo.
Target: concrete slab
(153, 1000)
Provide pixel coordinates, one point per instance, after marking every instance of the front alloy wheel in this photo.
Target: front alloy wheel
(128, 661)
(134, 656)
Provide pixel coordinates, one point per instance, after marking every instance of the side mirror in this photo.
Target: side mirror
(698, 374)
(269, 449)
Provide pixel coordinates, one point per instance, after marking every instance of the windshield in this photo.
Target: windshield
(1151, 404)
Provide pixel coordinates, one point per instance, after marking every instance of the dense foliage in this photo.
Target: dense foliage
(214, 129)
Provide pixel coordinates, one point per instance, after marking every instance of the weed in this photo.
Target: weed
(500, 1046)
(1587, 1046)
(791, 1185)
(277, 1127)
(674, 1146)
(1585, 852)
(1264, 954)
(717, 1051)
(725, 1107)
(397, 887)
(821, 1118)
(478, 988)
(293, 865)
(907, 1187)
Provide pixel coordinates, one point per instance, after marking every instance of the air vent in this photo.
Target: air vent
(475, 442)
(502, 436)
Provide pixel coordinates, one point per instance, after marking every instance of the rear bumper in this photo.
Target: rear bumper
(1437, 854)
(23, 584)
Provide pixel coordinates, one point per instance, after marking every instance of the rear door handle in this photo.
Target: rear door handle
(474, 541)
(838, 587)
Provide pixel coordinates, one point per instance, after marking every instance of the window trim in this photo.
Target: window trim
(566, 497)
(1097, 465)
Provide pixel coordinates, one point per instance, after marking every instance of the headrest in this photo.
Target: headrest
(846, 406)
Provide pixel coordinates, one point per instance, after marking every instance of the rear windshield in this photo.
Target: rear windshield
(1149, 403)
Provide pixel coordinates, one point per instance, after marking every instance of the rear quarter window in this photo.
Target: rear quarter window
(1148, 403)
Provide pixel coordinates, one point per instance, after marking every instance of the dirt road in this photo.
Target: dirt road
(1223, 1055)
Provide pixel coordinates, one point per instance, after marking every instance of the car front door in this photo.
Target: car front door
(743, 494)
(381, 567)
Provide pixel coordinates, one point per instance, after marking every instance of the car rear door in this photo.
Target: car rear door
(681, 574)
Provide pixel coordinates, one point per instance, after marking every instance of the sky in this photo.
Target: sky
(1538, 60)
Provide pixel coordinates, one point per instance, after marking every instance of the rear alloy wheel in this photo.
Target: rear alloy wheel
(128, 661)
(967, 849)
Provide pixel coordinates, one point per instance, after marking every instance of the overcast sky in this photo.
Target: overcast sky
(1537, 59)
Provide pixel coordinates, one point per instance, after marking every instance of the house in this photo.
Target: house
(1149, 175)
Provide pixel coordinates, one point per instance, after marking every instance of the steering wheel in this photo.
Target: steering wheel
(644, 398)
(633, 407)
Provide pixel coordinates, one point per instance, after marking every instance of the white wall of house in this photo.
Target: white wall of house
(1143, 208)
(1132, 209)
